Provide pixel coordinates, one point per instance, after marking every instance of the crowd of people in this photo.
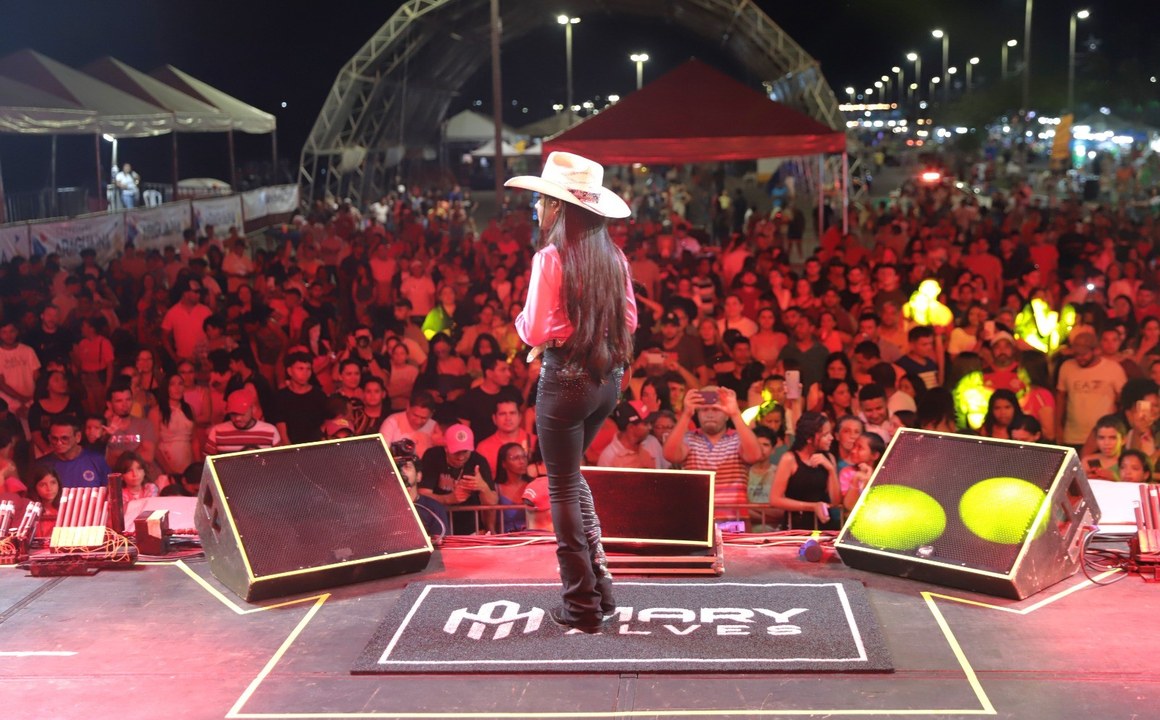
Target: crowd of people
(785, 373)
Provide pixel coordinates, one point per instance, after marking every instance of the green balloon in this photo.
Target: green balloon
(897, 517)
(1001, 509)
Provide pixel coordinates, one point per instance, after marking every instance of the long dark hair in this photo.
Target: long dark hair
(593, 290)
(162, 395)
(808, 427)
(1000, 394)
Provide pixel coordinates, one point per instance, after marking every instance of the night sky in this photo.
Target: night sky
(266, 53)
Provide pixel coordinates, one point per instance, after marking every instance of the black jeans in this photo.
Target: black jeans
(570, 408)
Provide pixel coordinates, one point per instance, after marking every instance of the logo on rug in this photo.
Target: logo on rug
(722, 626)
(504, 622)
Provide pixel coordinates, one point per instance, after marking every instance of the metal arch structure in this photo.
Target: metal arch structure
(394, 93)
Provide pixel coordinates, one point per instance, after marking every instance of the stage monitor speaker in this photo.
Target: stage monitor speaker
(992, 516)
(298, 518)
(655, 508)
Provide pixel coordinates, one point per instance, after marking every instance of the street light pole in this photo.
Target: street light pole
(970, 66)
(930, 90)
(1027, 55)
(901, 89)
(640, 59)
(946, 48)
(917, 60)
(878, 84)
(568, 22)
(1008, 44)
(1079, 15)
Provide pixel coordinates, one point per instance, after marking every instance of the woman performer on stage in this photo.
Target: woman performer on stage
(581, 314)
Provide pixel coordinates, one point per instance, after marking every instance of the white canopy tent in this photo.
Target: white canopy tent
(243, 117)
(189, 113)
(24, 109)
(509, 150)
(118, 114)
(471, 127)
(28, 111)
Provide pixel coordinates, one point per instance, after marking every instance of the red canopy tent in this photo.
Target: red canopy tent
(696, 114)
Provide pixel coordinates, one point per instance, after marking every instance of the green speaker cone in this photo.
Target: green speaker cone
(1001, 509)
(897, 517)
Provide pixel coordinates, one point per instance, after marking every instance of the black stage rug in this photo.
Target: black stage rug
(660, 626)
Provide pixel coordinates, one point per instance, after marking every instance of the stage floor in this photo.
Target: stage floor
(166, 640)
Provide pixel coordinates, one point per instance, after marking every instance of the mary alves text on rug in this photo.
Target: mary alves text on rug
(659, 626)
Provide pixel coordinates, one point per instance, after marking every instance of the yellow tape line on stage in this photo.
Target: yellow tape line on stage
(985, 705)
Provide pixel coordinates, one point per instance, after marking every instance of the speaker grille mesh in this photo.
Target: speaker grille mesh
(318, 505)
(945, 467)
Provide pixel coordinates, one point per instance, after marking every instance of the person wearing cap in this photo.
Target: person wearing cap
(1088, 388)
(241, 430)
(456, 475)
(675, 342)
(627, 449)
(1004, 371)
(539, 504)
(335, 428)
(581, 311)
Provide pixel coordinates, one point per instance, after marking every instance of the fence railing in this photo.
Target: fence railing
(752, 514)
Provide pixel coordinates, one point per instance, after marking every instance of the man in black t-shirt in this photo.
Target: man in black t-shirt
(478, 404)
(301, 405)
(456, 475)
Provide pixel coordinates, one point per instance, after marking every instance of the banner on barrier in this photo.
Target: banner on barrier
(159, 227)
(281, 199)
(221, 212)
(254, 204)
(103, 233)
(274, 200)
(13, 242)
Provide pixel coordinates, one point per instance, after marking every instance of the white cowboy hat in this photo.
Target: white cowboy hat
(575, 180)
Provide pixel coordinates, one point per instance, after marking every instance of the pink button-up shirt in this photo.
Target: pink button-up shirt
(543, 317)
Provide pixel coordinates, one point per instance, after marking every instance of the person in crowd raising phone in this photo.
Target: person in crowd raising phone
(715, 446)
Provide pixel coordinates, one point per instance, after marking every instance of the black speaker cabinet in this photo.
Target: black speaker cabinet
(298, 518)
(992, 516)
(658, 508)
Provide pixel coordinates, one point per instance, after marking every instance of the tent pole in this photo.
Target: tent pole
(101, 200)
(3, 202)
(274, 156)
(175, 173)
(821, 195)
(845, 192)
(52, 174)
(233, 172)
(497, 103)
